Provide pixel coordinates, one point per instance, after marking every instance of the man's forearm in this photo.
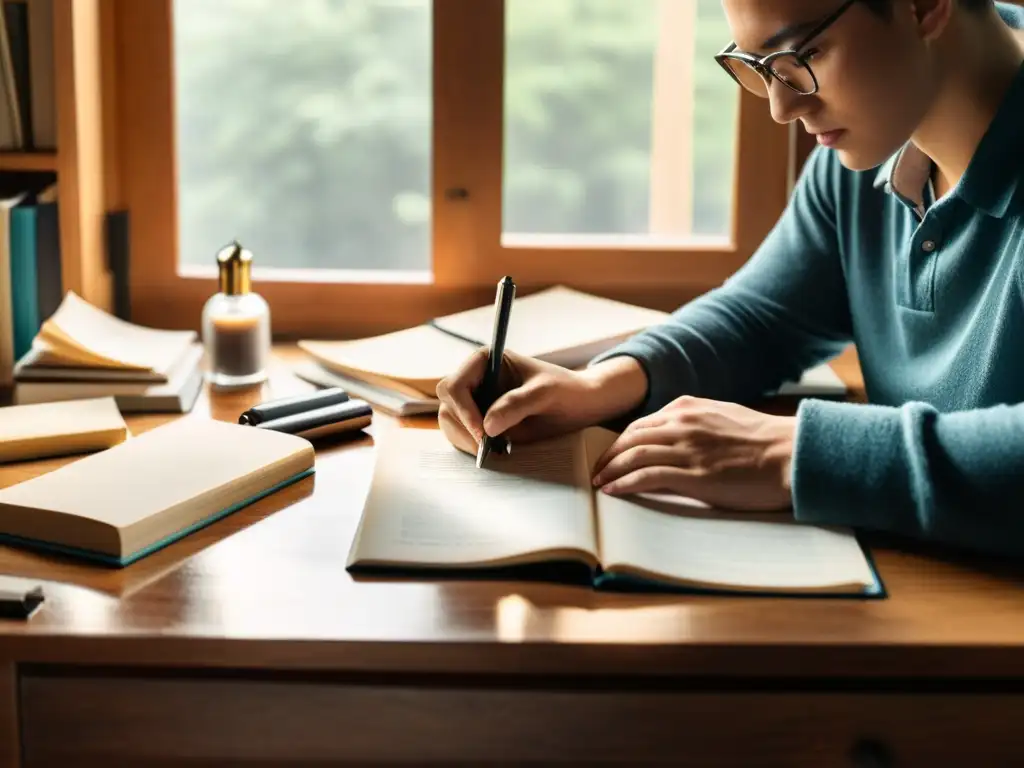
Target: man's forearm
(618, 386)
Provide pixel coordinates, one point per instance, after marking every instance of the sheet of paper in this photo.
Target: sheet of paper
(430, 504)
(820, 381)
(689, 542)
(563, 325)
(420, 356)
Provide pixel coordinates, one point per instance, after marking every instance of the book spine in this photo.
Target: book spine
(49, 278)
(118, 259)
(16, 21)
(24, 290)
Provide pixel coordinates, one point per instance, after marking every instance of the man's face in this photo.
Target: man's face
(875, 74)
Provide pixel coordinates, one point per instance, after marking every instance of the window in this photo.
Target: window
(389, 160)
(614, 114)
(304, 132)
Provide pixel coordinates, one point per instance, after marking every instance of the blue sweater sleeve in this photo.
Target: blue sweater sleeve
(784, 311)
(953, 477)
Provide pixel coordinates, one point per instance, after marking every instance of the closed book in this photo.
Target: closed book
(124, 503)
(133, 395)
(60, 429)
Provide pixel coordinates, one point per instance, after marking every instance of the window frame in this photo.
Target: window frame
(469, 250)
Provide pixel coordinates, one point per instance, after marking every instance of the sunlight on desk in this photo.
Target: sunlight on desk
(517, 619)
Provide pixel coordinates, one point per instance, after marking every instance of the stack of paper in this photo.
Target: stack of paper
(559, 325)
(399, 372)
(84, 352)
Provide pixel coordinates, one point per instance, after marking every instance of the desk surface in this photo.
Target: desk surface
(267, 588)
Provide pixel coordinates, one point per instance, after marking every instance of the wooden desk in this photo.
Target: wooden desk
(250, 642)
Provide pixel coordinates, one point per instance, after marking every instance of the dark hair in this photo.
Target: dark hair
(884, 7)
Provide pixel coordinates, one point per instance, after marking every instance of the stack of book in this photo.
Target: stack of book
(82, 352)
(399, 372)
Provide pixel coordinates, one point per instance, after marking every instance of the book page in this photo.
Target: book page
(430, 505)
(564, 326)
(86, 335)
(681, 541)
(417, 357)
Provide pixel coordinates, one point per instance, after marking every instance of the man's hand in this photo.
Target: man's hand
(722, 454)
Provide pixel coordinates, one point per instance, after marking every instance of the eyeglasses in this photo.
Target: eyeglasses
(790, 67)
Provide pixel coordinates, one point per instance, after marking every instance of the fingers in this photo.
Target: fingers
(513, 407)
(666, 414)
(456, 392)
(652, 480)
(661, 435)
(635, 458)
(455, 431)
(657, 419)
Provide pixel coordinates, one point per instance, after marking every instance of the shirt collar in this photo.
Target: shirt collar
(993, 175)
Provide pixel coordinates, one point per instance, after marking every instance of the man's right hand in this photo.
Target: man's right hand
(540, 399)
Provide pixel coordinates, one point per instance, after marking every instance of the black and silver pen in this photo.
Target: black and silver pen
(489, 389)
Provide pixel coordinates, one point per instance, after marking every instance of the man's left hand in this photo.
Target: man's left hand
(722, 454)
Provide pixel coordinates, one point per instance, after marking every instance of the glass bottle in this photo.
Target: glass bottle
(236, 324)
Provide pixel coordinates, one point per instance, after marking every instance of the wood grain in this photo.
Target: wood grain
(28, 161)
(146, 721)
(10, 736)
(267, 588)
(78, 46)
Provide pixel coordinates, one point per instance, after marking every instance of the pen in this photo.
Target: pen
(489, 389)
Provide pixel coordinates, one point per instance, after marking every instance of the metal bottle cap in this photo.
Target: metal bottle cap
(235, 265)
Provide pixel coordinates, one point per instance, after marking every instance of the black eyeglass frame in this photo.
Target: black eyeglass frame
(763, 65)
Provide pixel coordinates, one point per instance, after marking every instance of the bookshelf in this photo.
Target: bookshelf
(28, 161)
(84, 39)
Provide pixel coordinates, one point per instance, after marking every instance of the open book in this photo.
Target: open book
(79, 335)
(430, 509)
(123, 503)
(559, 325)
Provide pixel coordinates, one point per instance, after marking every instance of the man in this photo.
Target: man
(905, 235)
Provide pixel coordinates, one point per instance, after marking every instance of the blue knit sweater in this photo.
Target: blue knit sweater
(932, 294)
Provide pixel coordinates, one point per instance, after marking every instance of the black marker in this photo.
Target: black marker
(489, 389)
(288, 406)
(17, 601)
(349, 416)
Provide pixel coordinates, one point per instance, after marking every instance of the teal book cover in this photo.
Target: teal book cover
(24, 278)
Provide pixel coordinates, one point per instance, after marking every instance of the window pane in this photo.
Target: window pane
(618, 121)
(304, 131)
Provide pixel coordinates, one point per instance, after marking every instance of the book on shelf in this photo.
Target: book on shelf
(126, 502)
(30, 270)
(28, 118)
(430, 510)
(559, 325)
(60, 429)
(83, 352)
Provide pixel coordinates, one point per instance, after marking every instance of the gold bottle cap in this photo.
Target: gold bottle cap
(235, 265)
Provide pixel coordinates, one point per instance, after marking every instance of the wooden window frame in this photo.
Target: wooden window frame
(469, 251)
